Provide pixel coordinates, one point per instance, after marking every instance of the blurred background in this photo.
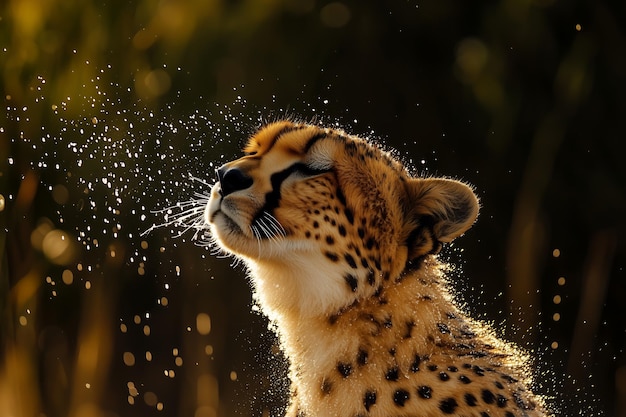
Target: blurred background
(110, 107)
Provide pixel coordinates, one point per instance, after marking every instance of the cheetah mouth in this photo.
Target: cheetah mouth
(225, 220)
(215, 215)
(221, 223)
(264, 226)
(228, 224)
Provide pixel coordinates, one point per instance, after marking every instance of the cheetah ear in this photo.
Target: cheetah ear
(439, 210)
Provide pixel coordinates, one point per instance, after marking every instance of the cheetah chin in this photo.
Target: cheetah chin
(341, 244)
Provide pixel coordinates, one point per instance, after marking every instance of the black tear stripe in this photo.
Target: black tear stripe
(272, 198)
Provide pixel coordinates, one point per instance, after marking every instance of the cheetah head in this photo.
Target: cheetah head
(323, 219)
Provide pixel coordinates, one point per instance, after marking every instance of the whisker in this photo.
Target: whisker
(257, 235)
(186, 216)
(263, 228)
(272, 230)
(280, 230)
(200, 180)
(270, 227)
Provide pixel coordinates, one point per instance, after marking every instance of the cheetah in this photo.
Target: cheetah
(341, 245)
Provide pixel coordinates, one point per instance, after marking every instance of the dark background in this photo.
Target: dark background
(110, 106)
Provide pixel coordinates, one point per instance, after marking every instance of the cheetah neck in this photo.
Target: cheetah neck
(417, 306)
(406, 308)
(301, 286)
(387, 348)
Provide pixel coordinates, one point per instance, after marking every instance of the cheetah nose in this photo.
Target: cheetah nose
(232, 179)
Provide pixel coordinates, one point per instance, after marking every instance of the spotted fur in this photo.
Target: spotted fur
(341, 245)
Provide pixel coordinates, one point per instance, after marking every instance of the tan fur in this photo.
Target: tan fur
(341, 246)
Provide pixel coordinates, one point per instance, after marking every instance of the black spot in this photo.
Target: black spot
(379, 291)
(361, 357)
(341, 197)
(498, 384)
(366, 265)
(415, 366)
(342, 230)
(470, 400)
(332, 319)
(376, 325)
(361, 232)
(349, 215)
(387, 323)
(484, 414)
(400, 397)
(332, 256)
(478, 370)
(393, 374)
(350, 260)
(444, 376)
(453, 369)
(427, 298)
(371, 278)
(330, 240)
(501, 400)
(509, 414)
(464, 379)
(409, 329)
(316, 224)
(519, 401)
(326, 387)
(508, 378)
(477, 354)
(467, 333)
(467, 366)
(352, 282)
(369, 399)
(488, 396)
(370, 243)
(345, 369)
(432, 367)
(425, 392)
(443, 328)
(392, 351)
(463, 346)
(448, 405)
